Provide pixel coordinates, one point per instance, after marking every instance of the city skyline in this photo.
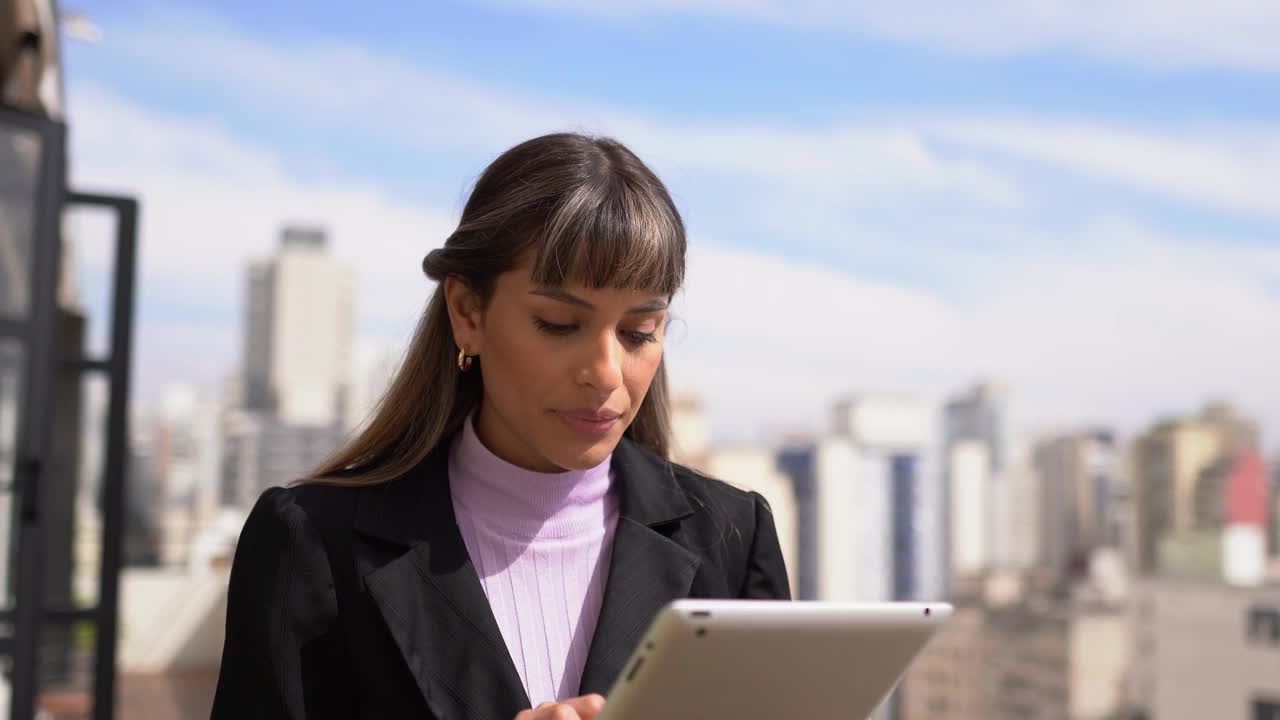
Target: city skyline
(1005, 211)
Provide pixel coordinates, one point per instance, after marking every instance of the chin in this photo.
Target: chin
(585, 456)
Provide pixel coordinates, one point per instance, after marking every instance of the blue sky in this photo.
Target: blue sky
(1082, 205)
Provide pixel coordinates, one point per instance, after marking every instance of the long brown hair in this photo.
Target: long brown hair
(592, 213)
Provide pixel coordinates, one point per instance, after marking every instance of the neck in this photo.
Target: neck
(529, 503)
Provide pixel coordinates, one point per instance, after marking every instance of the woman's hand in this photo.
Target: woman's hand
(586, 707)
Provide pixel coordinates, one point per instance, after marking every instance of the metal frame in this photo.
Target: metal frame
(34, 423)
(30, 614)
(117, 366)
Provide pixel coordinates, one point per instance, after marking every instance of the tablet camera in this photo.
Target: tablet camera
(928, 612)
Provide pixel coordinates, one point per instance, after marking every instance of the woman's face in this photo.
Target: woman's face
(565, 368)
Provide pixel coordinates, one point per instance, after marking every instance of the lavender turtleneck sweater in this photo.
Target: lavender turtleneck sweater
(541, 544)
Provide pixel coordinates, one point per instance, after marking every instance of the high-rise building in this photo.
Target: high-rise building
(296, 404)
(186, 466)
(981, 414)
(298, 332)
(1167, 464)
(969, 481)
(1237, 433)
(1080, 498)
(1015, 516)
(899, 431)
(262, 452)
(975, 419)
(844, 543)
(1274, 493)
(1228, 540)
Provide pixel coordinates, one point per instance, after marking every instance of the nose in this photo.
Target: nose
(602, 368)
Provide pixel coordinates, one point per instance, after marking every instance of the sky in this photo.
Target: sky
(1080, 199)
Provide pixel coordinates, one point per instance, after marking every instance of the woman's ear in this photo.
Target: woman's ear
(466, 315)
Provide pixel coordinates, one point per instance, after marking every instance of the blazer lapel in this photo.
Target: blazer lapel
(647, 569)
(431, 599)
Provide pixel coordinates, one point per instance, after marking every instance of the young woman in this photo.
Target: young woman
(496, 541)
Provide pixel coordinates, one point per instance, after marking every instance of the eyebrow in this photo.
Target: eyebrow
(565, 297)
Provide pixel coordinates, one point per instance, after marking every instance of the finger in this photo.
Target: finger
(558, 711)
(587, 706)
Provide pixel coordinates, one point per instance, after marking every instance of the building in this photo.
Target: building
(1168, 462)
(1238, 434)
(948, 681)
(1081, 499)
(1022, 645)
(261, 452)
(372, 378)
(1228, 542)
(899, 432)
(186, 458)
(1274, 494)
(1206, 649)
(969, 483)
(978, 421)
(755, 469)
(1015, 516)
(1179, 471)
(298, 332)
(690, 431)
(296, 404)
(844, 542)
(981, 414)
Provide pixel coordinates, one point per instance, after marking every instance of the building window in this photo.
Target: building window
(1264, 625)
(1266, 709)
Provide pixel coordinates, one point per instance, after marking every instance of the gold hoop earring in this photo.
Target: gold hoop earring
(464, 360)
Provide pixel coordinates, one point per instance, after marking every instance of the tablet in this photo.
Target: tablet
(763, 660)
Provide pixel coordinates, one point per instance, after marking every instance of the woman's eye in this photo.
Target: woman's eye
(553, 328)
(639, 337)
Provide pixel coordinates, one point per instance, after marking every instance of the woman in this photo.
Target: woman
(496, 541)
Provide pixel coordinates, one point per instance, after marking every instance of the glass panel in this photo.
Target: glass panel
(88, 263)
(86, 553)
(11, 384)
(19, 171)
(66, 671)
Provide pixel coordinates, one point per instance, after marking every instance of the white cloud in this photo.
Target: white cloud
(209, 204)
(1230, 33)
(326, 83)
(856, 163)
(1234, 169)
(1134, 324)
(1117, 338)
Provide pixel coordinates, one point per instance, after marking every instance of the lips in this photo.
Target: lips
(590, 416)
(589, 422)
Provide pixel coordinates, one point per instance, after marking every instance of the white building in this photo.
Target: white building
(690, 431)
(843, 503)
(899, 432)
(297, 362)
(991, 487)
(187, 465)
(969, 476)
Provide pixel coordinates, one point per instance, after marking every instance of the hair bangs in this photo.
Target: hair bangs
(613, 234)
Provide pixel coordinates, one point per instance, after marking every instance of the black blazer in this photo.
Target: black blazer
(362, 602)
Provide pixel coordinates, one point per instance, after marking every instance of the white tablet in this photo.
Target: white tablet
(763, 660)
